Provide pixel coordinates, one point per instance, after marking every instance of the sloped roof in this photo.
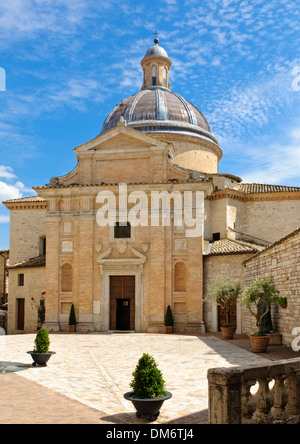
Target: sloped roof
(253, 188)
(39, 261)
(228, 246)
(25, 199)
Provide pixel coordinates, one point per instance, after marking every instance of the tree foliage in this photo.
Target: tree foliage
(169, 321)
(42, 341)
(225, 294)
(147, 380)
(72, 317)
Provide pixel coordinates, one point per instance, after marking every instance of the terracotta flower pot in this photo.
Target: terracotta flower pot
(71, 328)
(228, 332)
(259, 343)
(169, 329)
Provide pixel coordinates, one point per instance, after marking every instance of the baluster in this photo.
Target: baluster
(281, 397)
(293, 386)
(248, 402)
(264, 402)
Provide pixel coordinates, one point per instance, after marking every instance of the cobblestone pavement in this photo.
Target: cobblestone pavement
(86, 379)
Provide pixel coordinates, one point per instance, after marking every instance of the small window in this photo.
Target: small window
(154, 75)
(216, 236)
(21, 280)
(165, 77)
(122, 231)
(42, 246)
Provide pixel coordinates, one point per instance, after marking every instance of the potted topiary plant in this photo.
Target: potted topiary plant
(261, 293)
(169, 321)
(72, 319)
(41, 353)
(224, 294)
(148, 386)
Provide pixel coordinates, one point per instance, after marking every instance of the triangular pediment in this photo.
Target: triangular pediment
(131, 255)
(121, 137)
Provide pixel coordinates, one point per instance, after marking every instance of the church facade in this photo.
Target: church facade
(145, 220)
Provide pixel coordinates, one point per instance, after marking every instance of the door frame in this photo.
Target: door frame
(113, 309)
(18, 317)
(215, 318)
(122, 267)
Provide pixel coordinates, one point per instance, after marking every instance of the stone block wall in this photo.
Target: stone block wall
(34, 286)
(221, 268)
(281, 261)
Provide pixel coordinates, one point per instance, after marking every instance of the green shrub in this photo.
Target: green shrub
(169, 321)
(72, 317)
(147, 380)
(42, 341)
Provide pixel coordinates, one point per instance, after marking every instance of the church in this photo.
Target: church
(145, 220)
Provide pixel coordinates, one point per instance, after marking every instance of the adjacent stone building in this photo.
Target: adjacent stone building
(179, 223)
(281, 261)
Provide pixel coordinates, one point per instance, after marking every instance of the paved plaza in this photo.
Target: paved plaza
(86, 379)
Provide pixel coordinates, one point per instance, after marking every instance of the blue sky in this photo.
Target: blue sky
(68, 63)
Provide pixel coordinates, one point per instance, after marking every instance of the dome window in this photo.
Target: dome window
(165, 77)
(154, 75)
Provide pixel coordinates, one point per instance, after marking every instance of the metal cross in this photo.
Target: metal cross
(156, 33)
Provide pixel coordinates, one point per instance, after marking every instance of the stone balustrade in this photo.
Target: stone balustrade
(268, 394)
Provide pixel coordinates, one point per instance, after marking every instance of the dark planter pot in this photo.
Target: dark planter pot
(228, 332)
(283, 305)
(147, 408)
(40, 358)
(259, 343)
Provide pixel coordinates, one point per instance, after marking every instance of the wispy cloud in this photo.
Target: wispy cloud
(6, 172)
(10, 189)
(246, 106)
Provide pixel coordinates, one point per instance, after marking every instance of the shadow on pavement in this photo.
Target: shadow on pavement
(12, 367)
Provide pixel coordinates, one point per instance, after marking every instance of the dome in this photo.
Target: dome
(156, 50)
(158, 110)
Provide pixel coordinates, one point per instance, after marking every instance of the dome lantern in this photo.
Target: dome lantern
(156, 66)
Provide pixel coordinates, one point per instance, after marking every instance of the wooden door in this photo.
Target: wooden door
(122, 302)
(20, 314)
(232, 316)
(123, 314)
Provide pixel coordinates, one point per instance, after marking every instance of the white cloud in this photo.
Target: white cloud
(253, 104)
(10, 190)
(6, 172)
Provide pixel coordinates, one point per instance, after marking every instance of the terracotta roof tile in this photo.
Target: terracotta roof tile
(26, 199)
(253, 188)
(228, 246)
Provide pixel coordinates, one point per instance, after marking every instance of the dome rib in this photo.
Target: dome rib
(192, 117)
